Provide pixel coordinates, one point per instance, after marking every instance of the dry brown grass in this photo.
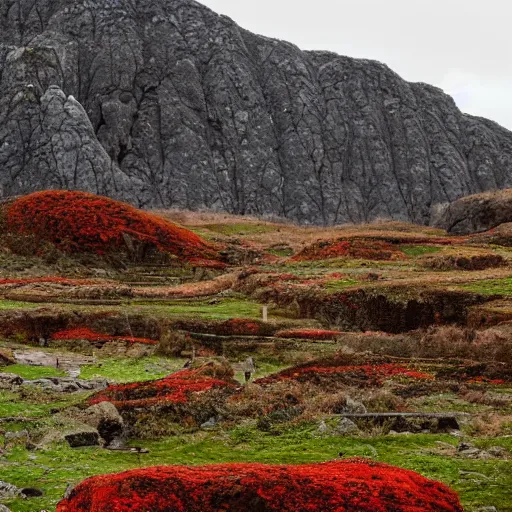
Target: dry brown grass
(297, 236)
(491, 425)
(187, 290)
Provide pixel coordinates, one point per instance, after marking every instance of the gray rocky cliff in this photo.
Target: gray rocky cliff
(165, 103)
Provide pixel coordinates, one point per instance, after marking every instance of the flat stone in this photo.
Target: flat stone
(84, 438)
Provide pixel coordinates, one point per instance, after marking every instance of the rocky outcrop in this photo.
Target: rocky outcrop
(477, 213)
(165, 103)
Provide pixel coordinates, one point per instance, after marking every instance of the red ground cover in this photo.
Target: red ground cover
(83, 333)
(310, 334)
(82, 222)
(372, 374)
(351, 485)
(174, 389)
(357, 248)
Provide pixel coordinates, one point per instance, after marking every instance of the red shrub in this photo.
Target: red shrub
(173, 389)
(84, 333)
(81, 222)
(341, 486)
(371, 374)
(310, 334)
(357, 248)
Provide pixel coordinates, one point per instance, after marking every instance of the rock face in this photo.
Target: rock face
(165, 103)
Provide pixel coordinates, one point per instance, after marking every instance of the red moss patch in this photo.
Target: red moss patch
(310, 334)
(84, 333)
(366, 374)
(341, 486)
(176, 388)
(80, 222)
(357, 248)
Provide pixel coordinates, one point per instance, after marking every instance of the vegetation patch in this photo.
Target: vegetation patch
(310, 334)
(356, 248)
(464, 262)
(349, 485)
(77, 222)
(175, 389)
(373, 374)
(84, 333)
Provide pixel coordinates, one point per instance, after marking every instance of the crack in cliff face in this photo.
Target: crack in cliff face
(179, 107)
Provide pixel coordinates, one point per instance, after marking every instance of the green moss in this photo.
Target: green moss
(239, 228)
(340, 284)
(491, 286)
(35, 372)
(282, 253)
(221, 308)
(132, 370)
(414, 251)
(13, 304)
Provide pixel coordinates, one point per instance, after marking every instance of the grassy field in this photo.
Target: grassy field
(479, 483)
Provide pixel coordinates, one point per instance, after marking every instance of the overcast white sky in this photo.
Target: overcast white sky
(462, 46)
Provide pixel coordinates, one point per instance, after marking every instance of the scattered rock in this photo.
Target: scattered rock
(118, 443)
(83, 438)
(323, 428)
(31, 492)
(469, 451)
(106, 419)
(8, 491)
(68, 384)
(3, 508)
(499, 452)
(19, 438)
(353, 407)
(487, 509)
(210, 423)
(346, 426)
(9, 380)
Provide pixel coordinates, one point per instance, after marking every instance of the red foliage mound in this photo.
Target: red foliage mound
(176, 388)
(357, 248)
(81, 222)
(366, 374)
(310, 334)
(342, 486)
(84, 333)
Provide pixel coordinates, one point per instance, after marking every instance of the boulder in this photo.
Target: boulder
(83, 437)
(346, 427)
(19, 438)
(353, 407)
(68, 384)
(106, 419)
(9, 380)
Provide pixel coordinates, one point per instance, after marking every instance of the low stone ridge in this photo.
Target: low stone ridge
(167, 104)
(341, 486)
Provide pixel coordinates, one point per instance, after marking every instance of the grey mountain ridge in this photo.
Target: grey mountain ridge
(164, 103)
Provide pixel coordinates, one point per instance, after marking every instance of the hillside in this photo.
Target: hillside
(167, 104)
(371, 345)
